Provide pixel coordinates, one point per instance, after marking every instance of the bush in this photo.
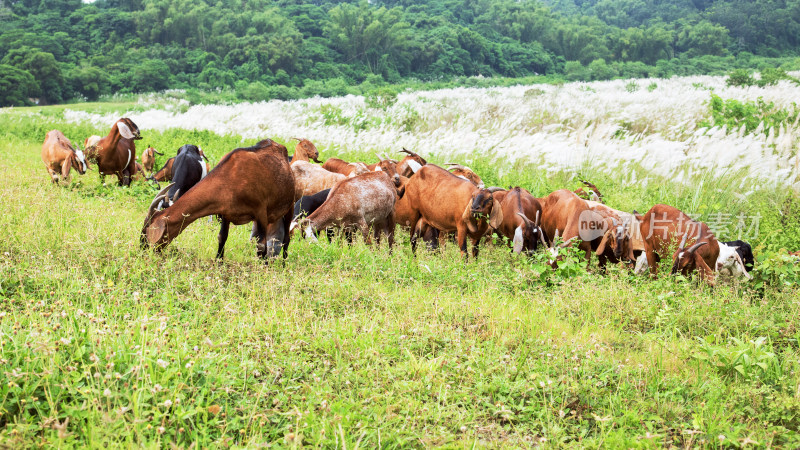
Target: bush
(740, 77)
(776, 269)
(734, 114)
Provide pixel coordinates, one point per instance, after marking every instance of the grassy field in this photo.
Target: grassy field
(103, 344)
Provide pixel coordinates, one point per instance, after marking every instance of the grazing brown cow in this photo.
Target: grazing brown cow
(249, 184)
(115, 154)
(59, 156)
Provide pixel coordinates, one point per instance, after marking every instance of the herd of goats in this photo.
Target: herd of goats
(281, 193)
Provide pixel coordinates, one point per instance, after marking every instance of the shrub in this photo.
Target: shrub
(740, 77)
(776, 269)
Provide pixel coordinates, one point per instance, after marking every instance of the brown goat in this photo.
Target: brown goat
(343, 167)
(622, 241)
(565, 212)
(305, 150)
(116, 153)
(362, 201)
(165, 172)
(149, 158)
(664, 226)
(449, 203)
(59, 156)
(521, 214)
(465, 173)
(249, 184)
(593, 194)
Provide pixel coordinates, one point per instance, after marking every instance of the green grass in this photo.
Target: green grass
(103, 344)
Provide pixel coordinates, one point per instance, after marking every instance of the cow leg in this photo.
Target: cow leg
(223, 237)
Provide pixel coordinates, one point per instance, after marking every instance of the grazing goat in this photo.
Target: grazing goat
(149, 158)
(307, 205)
(465, 173)
(59, 156)
(116, 153)
(188, 169)
(622, 241)
(91, 141)
(363, 201)
(593, 194)
(249, 184)
(165, 172)
(409, 165)
(450, 203)
(565, 212)
(664, 225)
(310, 178)
(730, 262)
(521, 213)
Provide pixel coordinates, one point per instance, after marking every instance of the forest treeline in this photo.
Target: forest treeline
(62, 50)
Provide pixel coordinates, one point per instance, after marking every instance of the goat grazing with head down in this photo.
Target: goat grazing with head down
(59, 156)
(664, 225)
(449, 203)
(521, 214)
(622, 240)
(362, 201)
(249, 184)
(116, 153)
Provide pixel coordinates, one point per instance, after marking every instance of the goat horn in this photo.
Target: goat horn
(379, 157)
(568, 241)
(408, 151)
(161, 194)
(683, 241)
(536, 222)
(494, 189)
(693, 248)
(525, 218)
(296, 139)
(744, 269)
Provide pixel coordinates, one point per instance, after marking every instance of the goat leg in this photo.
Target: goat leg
(475, 248)
(223, 236)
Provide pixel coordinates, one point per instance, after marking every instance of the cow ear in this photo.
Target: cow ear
(466, 216)
(496, 217)
(124, 130)
(602, 247)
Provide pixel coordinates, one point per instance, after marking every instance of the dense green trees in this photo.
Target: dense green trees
(58, 50)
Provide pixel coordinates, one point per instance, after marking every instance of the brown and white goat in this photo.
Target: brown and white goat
(364, 201)
(249, 184)
(115, 154)
(449, 203)
(59, 156)
(663, 226)
(149, 158)
(521, 214)
(165, 172)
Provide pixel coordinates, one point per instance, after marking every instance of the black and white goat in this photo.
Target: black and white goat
(187, 170)
(735, 259)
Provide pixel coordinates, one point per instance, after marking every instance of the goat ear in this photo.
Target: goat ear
(415, 166)
(517, 240)
(701, 265)
(496, 217)
(124, 130)
(466, 216)
(602, 247)
(155, 231)
(66, 165)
